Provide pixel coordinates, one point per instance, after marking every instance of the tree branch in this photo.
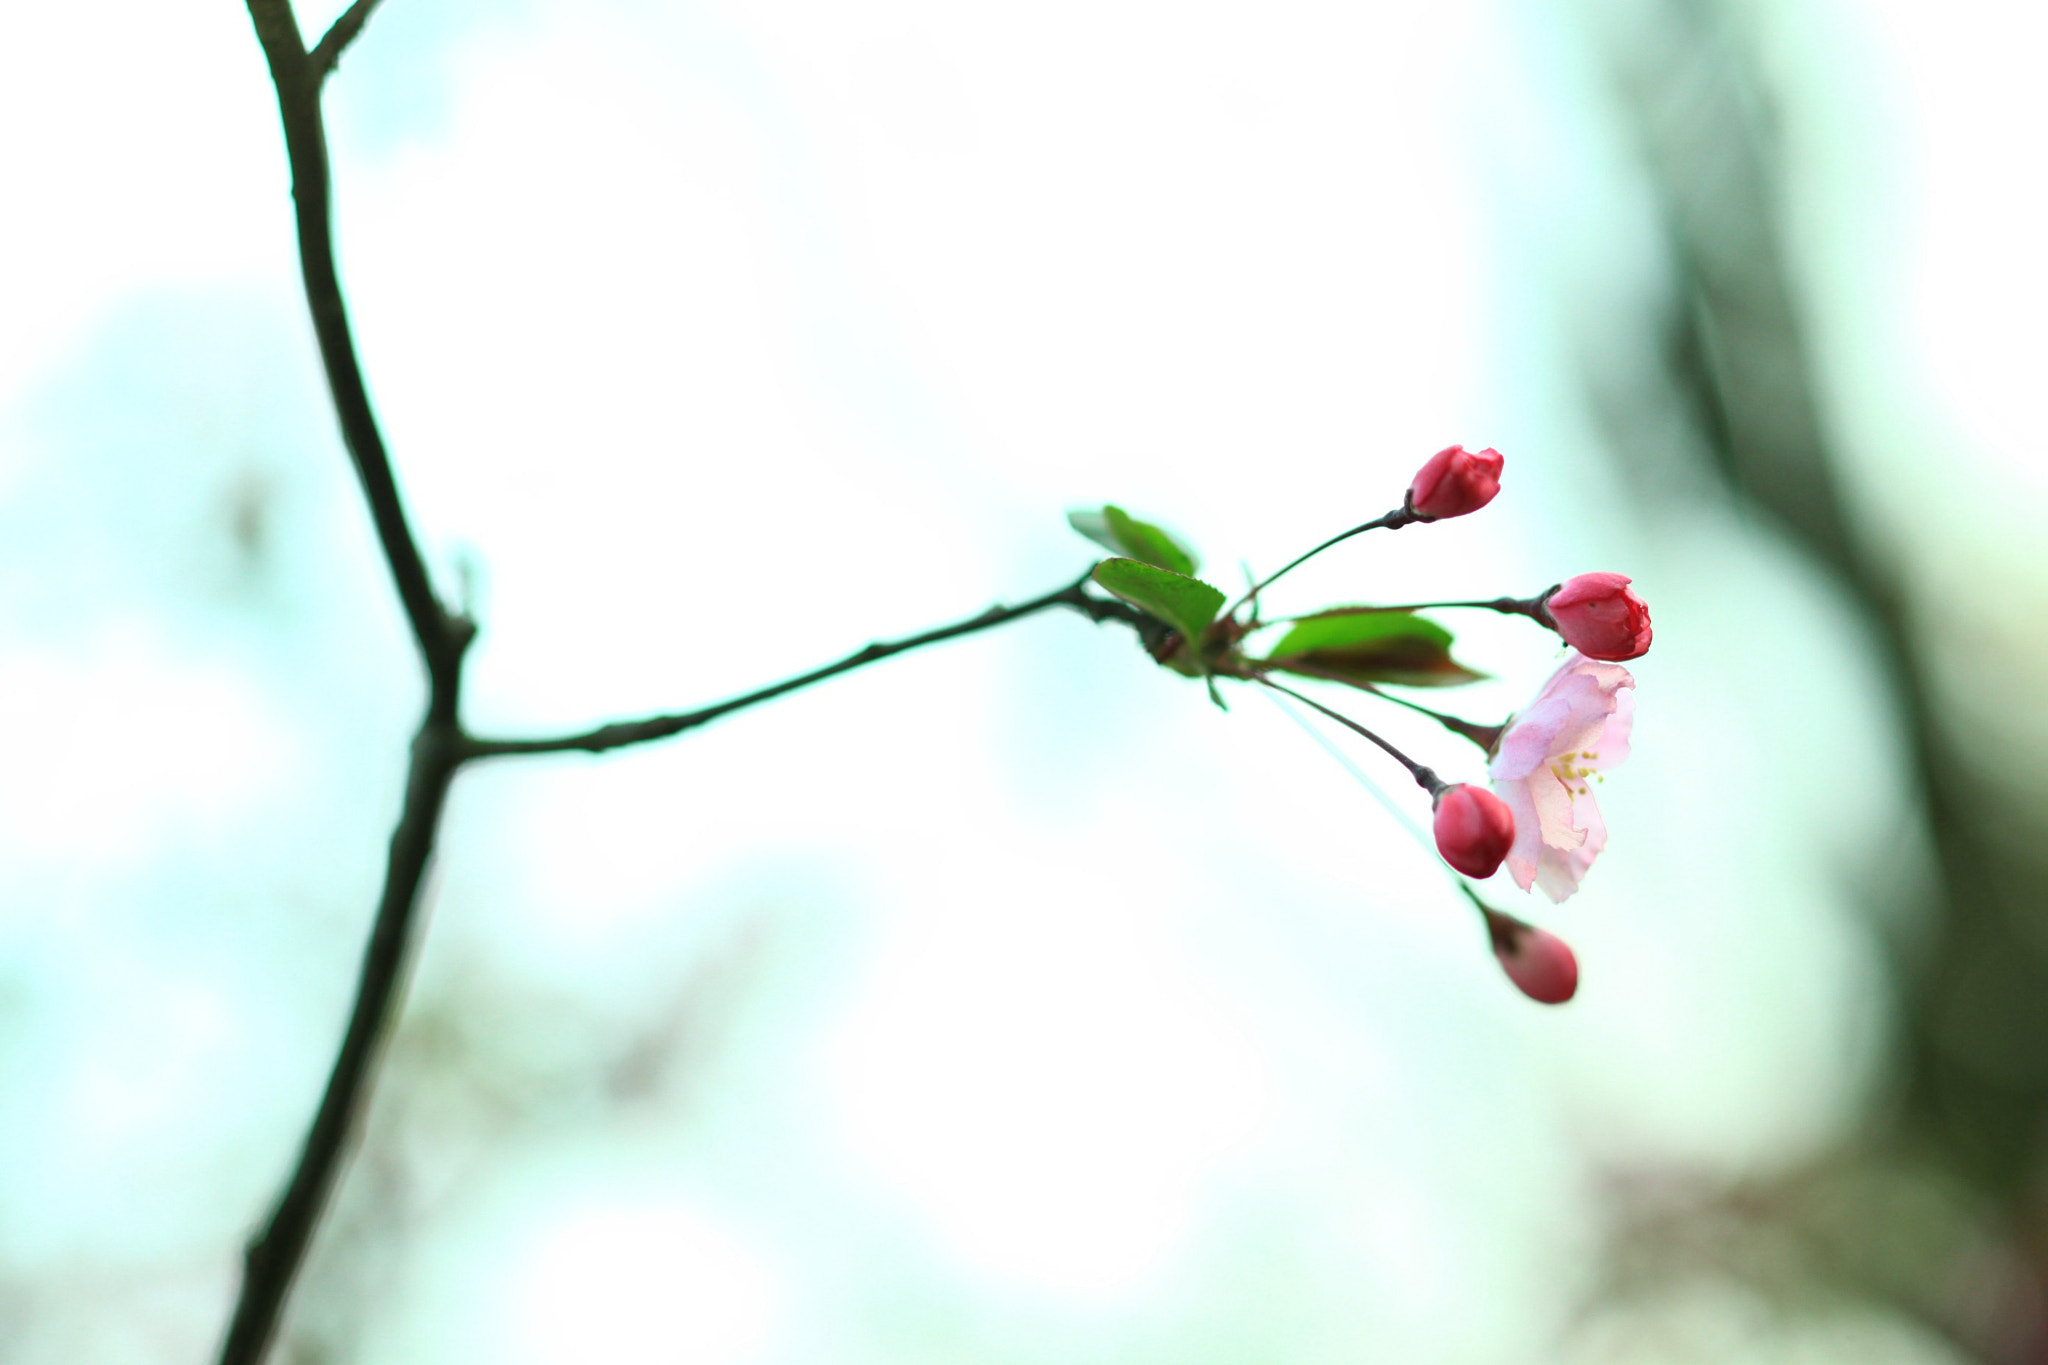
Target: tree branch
(328, 50)
(441, 747)
(622, 734)
(274, 1257)
(441, 637)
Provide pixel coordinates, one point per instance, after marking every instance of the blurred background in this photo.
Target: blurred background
(1008, 1003)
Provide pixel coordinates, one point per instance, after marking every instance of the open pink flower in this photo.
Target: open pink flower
(1577, 726)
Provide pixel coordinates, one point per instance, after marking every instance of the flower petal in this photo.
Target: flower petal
(1579, 723)
(1612, 747)
(1528, 845)
(1558, 875)
(1566, 717)
(1554, 802)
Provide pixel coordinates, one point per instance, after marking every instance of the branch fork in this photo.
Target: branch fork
(442, 636)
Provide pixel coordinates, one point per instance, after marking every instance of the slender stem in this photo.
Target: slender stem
(1535, 608)
(440, 637)
(1401, 817)
(1391, 521)
(1485, 736)
(274, 1257)
(1424, 778)
(1503, 931)
(1472, 894)
(621, 734)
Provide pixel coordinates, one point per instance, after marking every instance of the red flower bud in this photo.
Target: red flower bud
(1455, 481)
(1474, 829)
(1539, 963)
(1599, 617)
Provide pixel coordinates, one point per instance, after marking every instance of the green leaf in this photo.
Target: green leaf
(1121, 533)
(1187, 604)
(1360, 645)
(1095, 526)
(1147, 543)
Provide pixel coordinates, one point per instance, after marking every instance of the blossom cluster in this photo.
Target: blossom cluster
(1537, 816)
(1541, 818)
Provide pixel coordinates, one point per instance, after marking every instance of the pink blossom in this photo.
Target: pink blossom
(1540, 963)
(1577, 726)
(1600, 616)
(1473, 829)
(1455, 481)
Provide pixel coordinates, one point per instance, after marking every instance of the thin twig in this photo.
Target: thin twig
(1403, 515)
(1485, 736)
(339, 35)
(1387, 804)
(440, 636)
(620, 734)
(1531, 607)
(1425, 778)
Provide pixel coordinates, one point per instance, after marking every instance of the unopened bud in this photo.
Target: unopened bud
(1455, 481)
(1599, 617)
(1539, 963)
(1474, 829)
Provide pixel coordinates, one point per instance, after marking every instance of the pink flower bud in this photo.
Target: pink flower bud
(1474, 829)
(1455, 481)
(1539, 963)
(1599, 617)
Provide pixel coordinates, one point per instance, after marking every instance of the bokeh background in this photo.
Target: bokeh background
(1008, 1003)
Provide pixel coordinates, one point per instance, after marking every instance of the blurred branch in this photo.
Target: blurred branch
(621, 734)
(339, 35)
(274, 1257)
(1972, 1091)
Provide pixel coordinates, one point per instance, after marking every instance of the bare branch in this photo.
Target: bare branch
(274, 1257)
(328, 50)
(621, 734)
(441, 637)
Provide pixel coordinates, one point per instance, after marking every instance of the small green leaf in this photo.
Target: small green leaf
(1360, 645)
(1121, 533)
(1095, 526)
(1147, 543)
(1186, 604)
(1345, 627)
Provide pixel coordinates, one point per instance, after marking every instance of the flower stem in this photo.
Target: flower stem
(1424, 778)
(1391, 521)
(1535, 608)
(1485, 736)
